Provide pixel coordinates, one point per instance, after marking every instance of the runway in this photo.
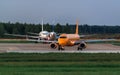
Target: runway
(44, 48)
(84, 51)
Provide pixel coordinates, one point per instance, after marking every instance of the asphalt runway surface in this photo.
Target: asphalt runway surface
(44, 48)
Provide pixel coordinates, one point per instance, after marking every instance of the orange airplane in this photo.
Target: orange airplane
(69, 40)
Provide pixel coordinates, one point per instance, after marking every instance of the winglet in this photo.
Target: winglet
(76, 27)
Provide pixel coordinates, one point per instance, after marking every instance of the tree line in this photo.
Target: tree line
(23, 28)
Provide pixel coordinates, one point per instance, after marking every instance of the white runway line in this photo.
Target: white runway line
(47, 51)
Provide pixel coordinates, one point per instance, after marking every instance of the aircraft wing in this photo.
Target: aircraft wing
(32, 38)
(99, 40)
(18, 35)
(94, 41)
(42, 41)
(82, 36)
(33, 33)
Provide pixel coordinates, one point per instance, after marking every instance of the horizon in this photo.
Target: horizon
(56, 24)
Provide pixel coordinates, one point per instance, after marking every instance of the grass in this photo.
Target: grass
(58, 68)
(59, 64)
(117, 43)
(15, 41)
(56, 57)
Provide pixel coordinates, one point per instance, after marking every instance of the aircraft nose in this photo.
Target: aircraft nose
(62, 41)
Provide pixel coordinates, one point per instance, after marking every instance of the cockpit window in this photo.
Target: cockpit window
(45, 33)
(63, 37)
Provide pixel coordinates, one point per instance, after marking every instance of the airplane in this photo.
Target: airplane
(42, 35)
(72, 40)
(65, 40)
(69, 40)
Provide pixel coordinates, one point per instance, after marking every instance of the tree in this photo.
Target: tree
(67, 28)
(2, 30)
(47, 27)
(58, 28)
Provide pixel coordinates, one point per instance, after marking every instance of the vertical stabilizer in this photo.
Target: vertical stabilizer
(76, 27)
(53, 26)
(42, 24)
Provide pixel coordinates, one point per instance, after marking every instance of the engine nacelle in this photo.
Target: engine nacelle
(82, 45)
(53, 45)
(52, 36)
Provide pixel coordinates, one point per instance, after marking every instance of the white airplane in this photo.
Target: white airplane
(43, 35)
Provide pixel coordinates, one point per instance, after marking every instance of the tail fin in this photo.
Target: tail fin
(42, 24)
(76, 27)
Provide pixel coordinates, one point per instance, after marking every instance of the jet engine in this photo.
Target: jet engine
(53, 45)
(52, 36)
(82, 45)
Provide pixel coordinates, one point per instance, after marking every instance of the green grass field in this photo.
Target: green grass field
(58, 68)
(117, 43)
(59, 64)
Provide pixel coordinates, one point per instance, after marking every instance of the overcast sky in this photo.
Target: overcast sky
(98, 12)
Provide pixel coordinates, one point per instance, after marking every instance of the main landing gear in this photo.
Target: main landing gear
(79, 48)
(61, 48)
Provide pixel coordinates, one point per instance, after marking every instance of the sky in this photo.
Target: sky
(92, 12)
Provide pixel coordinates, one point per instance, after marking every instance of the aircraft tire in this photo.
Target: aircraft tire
(79, 49)
(59, 48)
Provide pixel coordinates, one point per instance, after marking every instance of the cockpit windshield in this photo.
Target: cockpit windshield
(63, 37)
(45, 33)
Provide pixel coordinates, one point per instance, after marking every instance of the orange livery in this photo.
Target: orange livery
(69, 40)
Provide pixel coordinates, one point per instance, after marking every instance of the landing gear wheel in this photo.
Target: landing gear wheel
(79, 49)
(60, 48)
